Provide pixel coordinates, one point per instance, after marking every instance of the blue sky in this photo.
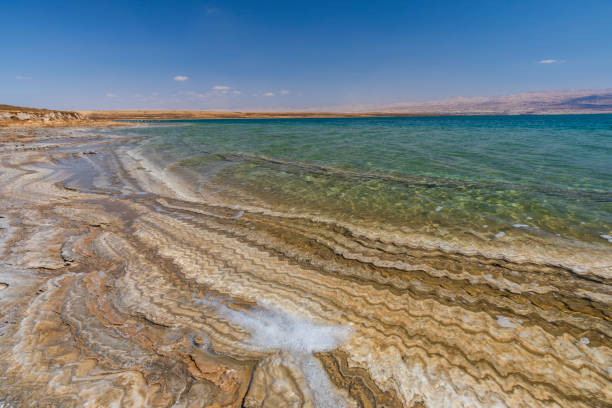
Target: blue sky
(264, 54)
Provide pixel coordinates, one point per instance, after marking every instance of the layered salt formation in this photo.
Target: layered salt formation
(117, 291)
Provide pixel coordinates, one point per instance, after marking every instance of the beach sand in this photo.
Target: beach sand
(115, 290)
(16, 116)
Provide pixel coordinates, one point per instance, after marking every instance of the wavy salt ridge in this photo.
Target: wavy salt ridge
(117, 321)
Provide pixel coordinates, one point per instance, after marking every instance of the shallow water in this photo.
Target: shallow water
(546, 177)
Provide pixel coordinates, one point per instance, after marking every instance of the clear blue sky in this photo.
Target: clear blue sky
(258, 54)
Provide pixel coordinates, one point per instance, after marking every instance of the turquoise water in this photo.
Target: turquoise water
(537, 174)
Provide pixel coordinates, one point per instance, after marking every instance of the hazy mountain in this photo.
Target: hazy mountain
(599, 101)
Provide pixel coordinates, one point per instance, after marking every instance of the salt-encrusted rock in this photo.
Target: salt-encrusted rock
(152, 300)
(40, 116)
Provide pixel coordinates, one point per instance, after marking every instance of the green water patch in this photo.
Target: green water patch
(527, 174)
(425, 204)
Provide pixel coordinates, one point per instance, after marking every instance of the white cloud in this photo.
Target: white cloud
(111, 95)
(549, 61)
(22, 78)
(284, 92)
(269, 94)
(215, 92)
(181, 78)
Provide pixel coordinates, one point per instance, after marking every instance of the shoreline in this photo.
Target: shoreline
(194, 114)
(117, 289)
(102, 119)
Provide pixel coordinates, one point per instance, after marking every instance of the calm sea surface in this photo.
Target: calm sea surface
(544, 176)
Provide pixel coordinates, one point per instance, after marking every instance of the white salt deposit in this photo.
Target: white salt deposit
(500, 234)
(324, 393)
(520, 225)
(275, 329)
(438, 208)
(503, 321)
(606, 236)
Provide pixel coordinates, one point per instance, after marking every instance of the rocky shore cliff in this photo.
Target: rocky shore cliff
(14, 115)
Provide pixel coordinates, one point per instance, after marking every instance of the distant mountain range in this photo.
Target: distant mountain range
(557, 102)
(527, 103)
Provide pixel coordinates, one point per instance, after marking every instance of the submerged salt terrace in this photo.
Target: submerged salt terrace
(500, 170)
(471, 182)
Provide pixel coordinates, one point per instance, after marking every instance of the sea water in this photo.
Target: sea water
(489, 177)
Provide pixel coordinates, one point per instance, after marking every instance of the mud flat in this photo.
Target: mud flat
(116, 289)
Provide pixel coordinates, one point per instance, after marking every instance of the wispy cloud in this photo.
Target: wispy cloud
(181, 78)
(221, 90)
(22, 78)
(215, 92)
(269, 94)
(111, 95)
(284, 92)
(550, 61)
(197, 94)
